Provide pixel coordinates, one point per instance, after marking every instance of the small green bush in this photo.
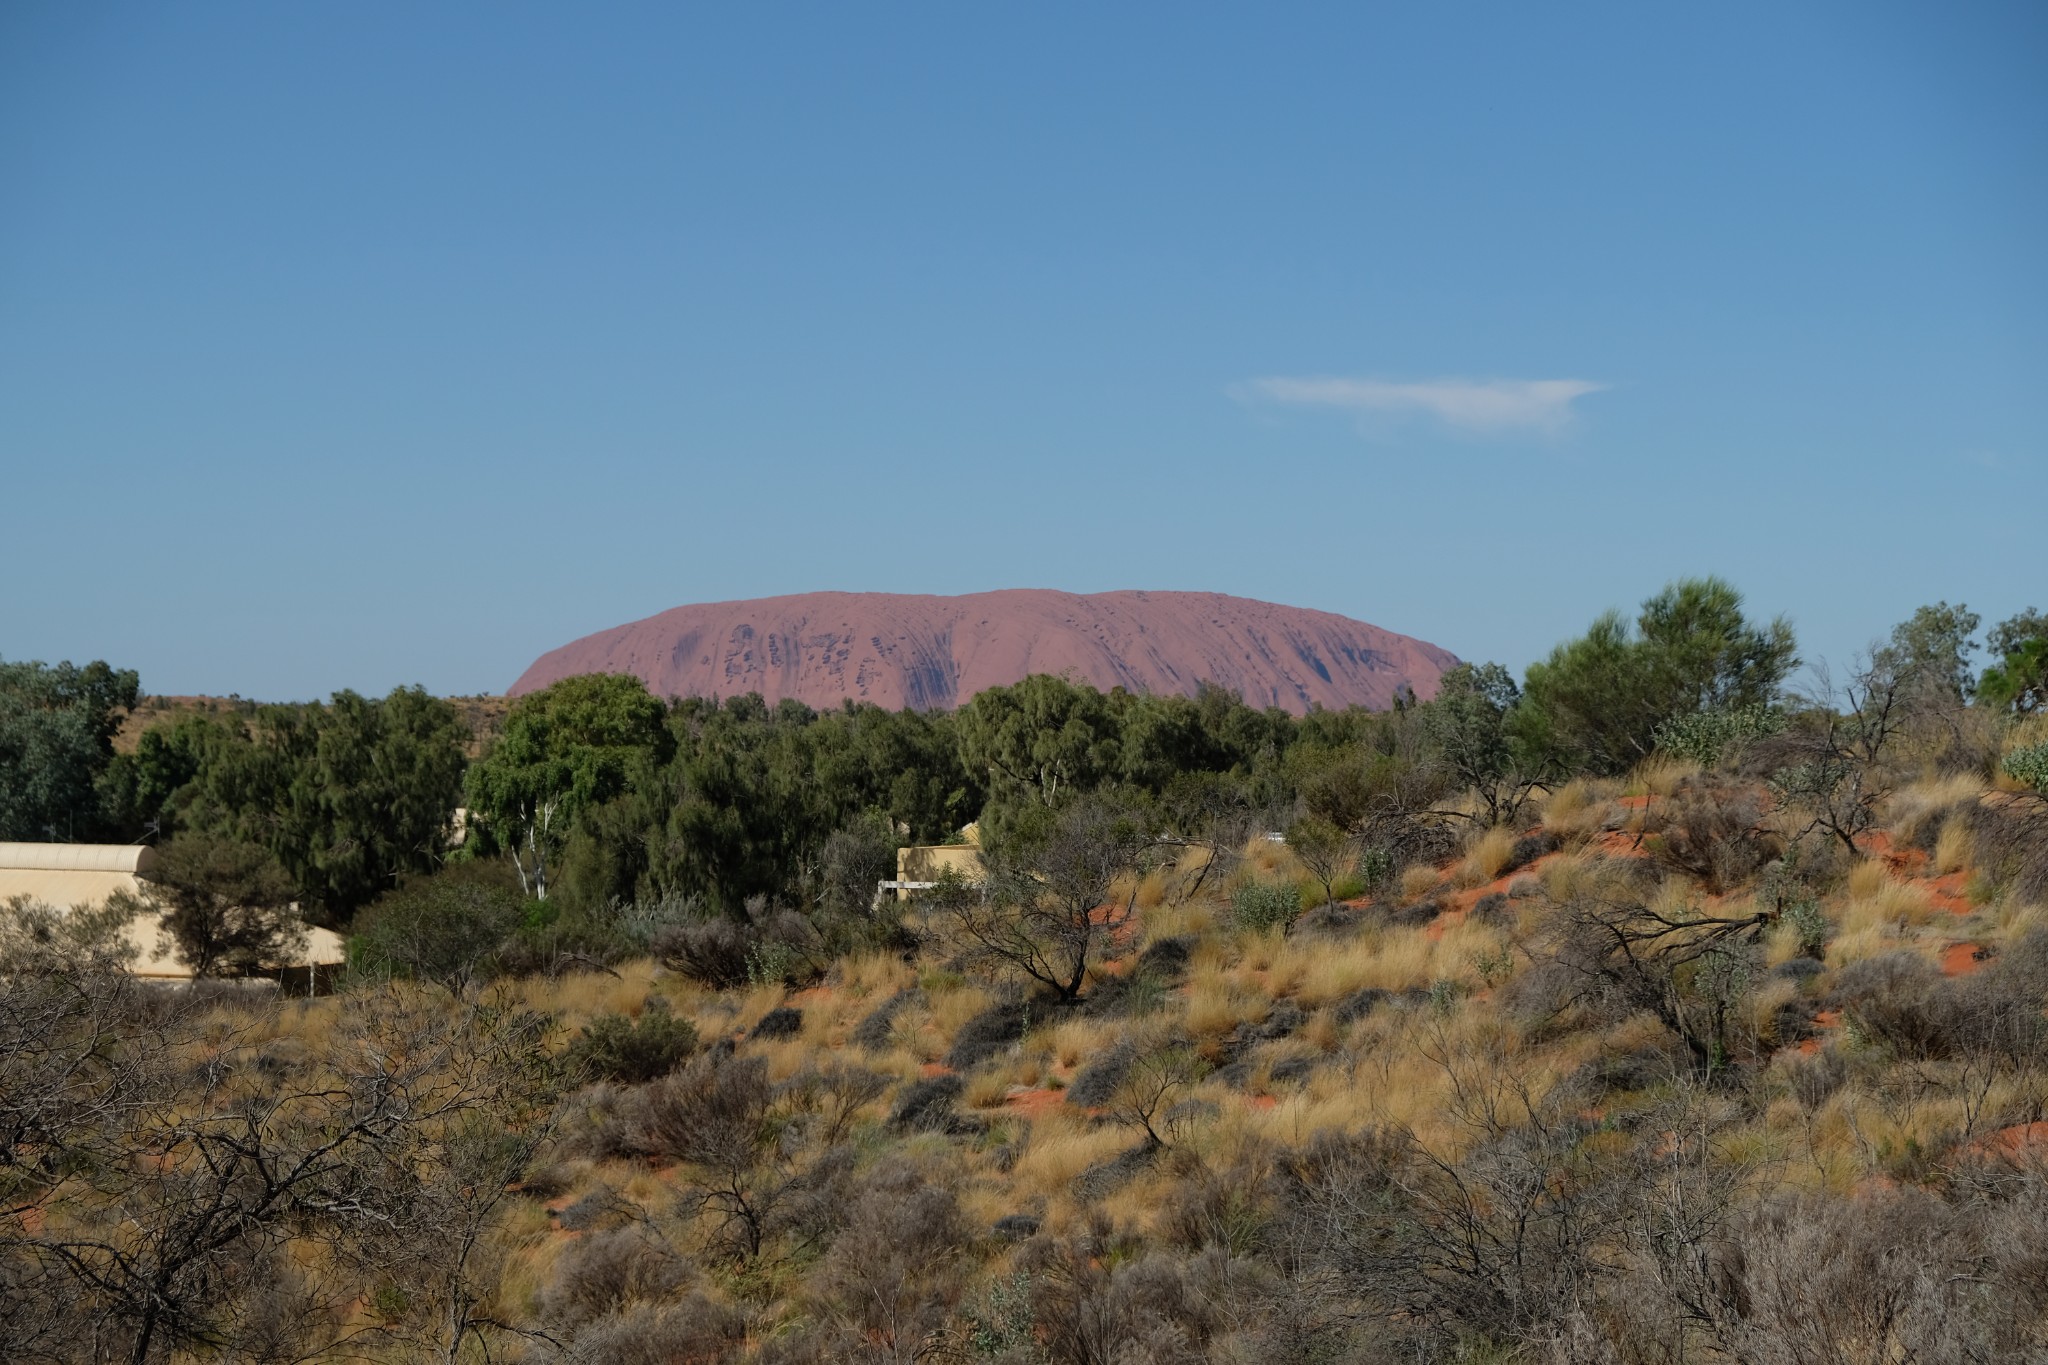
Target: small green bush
(1376, 868)
(1807, 921)
(1349, 886)
(612, 1048)
(2029, 765)
(1261, 905)
(1704, 736)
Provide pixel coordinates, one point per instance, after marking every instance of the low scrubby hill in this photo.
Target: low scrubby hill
(1656, 1072)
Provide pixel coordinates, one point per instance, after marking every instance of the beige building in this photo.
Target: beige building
(71, 876)
(919, 866)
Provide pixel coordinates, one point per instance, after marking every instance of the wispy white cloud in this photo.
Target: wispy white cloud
(1488, 407)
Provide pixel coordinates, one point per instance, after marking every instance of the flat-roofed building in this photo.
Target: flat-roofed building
(70, 877)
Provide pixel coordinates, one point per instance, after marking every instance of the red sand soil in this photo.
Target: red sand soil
(1122, 919)
(1621, 843)
(1464, 902)
(2018, 1140)
(1032, 1102)
(1950, 892)
(936, 652)
(1825, 1021)
(1960, 959)
(1878, 844)
(935, 1069)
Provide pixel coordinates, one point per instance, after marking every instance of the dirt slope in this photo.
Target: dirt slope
(926, 652)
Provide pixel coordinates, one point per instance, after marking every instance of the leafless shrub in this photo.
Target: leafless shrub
(1090, 1308)
(606, 1272)
(1898, 999)
(900, 1262)
(829, 1098)
(700, 1330)
(1231, 1208)
(1689, 967)
(1828, 1279)
(713, 1115)
(724, 952)
(712, 952)
(1713, 829)
(1813, 1079)
(988, 1033)
(183, 1188)
(2010, 832)
(1145, 1097)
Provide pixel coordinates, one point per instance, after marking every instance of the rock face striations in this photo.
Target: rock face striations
(936, 652)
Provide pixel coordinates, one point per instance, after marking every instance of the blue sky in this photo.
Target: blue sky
(357, 345)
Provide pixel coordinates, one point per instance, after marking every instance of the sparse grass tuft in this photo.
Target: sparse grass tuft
(1418, 881)
(1486, 857)
(1953, 848)
(1575, 811)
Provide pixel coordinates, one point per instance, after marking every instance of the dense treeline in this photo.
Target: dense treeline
(597, 795)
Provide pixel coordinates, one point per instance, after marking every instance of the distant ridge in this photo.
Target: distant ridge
(936, 652)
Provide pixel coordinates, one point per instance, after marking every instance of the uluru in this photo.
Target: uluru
(932, 653)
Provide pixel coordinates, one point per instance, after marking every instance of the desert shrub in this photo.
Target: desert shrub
(696, 1329)
(783, 1021)
(1876, 1278)
(1490, 1246)
(2010, 839)
(598, 1122)
(1106, 1177)
(1229, 1208)
(1376, 869)
(1801, 969)
(1635, 1068)
(1897, 999)
(1810, 926)
(554, 939)
(1714, 830)
(1705, 737)
(1095, 1085)
(1997, 1011)
(928, 1104)
(1333, 920)
(874, 1029)
(1529, 848)
(709, 1113)
(988, 1033)
(613, 1047)
(900, 1261)
(1359, 1004)
(448, 928)
(1902, 1002)
(1258, 906)
(712, 952)
(1132, 995)
(1091, 1306)
(601, 1208)
(603, 1272)
(1166, 959)
(2029, 765)
(1813, 1078)
(766, 947)
(828, 1099)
